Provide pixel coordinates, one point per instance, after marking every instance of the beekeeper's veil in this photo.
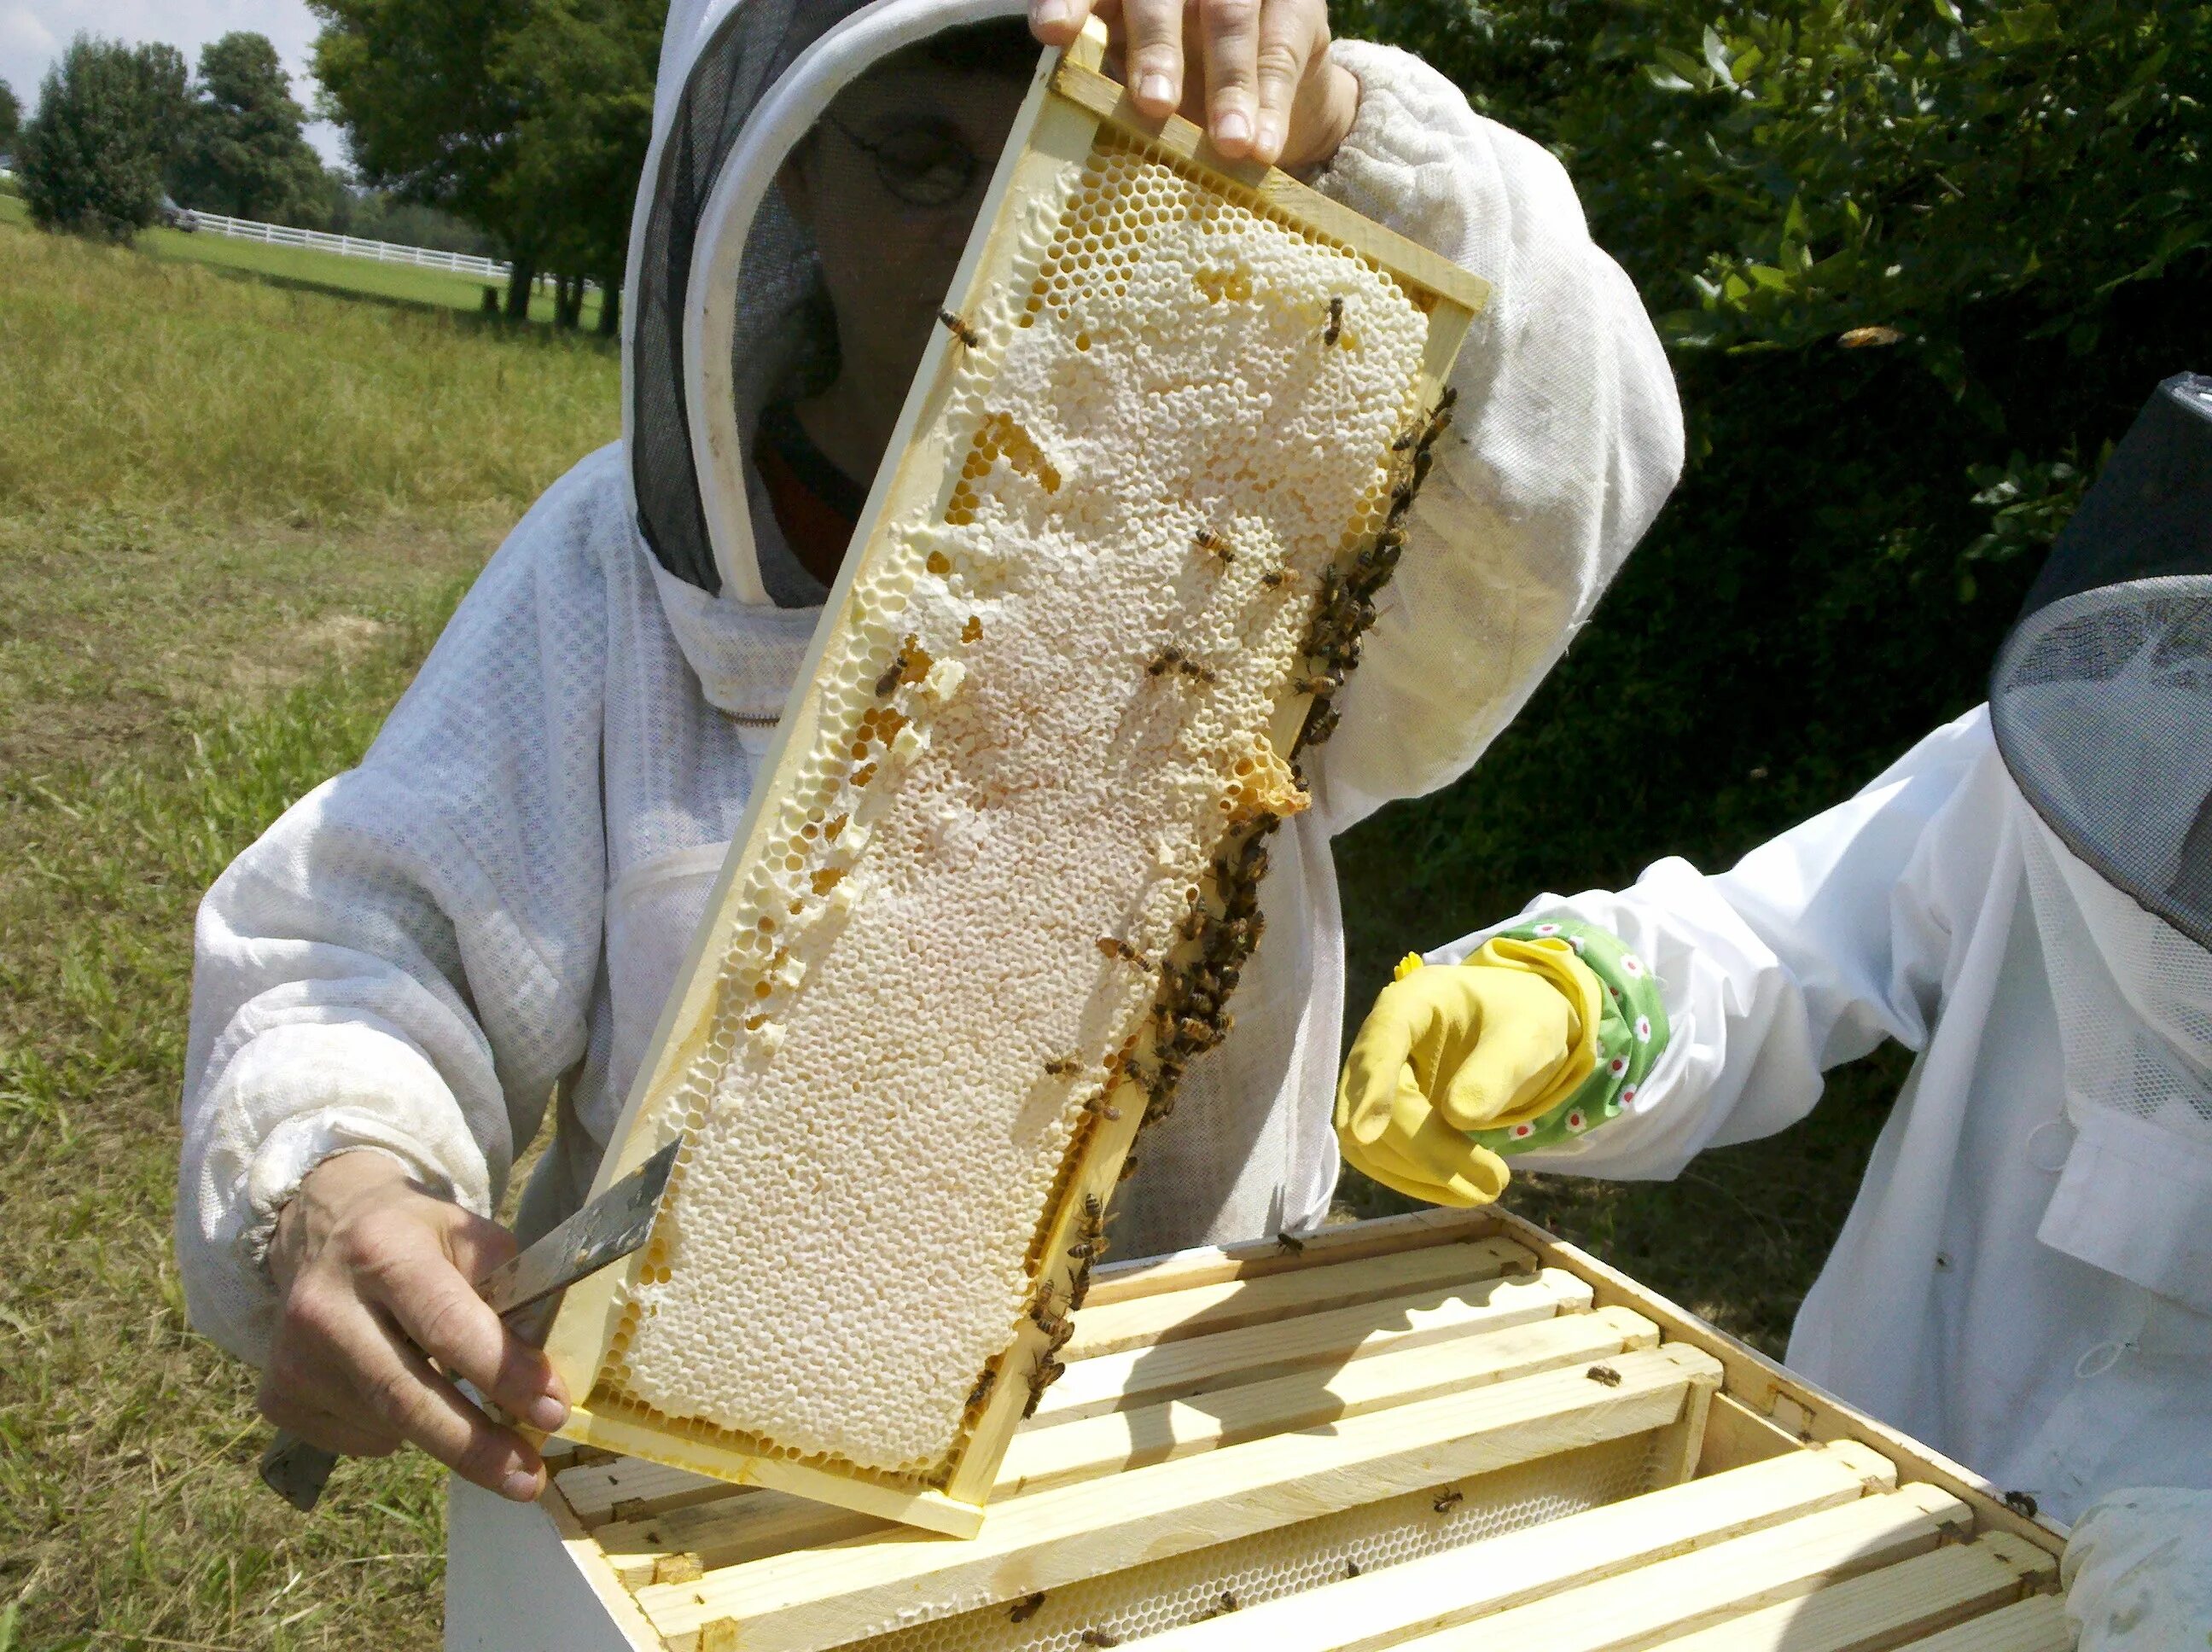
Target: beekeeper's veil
(727, 309)
(2101, 702)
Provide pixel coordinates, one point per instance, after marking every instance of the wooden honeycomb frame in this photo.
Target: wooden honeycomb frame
(1069, 107)
(1453, 1366)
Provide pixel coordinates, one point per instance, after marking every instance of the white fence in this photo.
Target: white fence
(351, 246)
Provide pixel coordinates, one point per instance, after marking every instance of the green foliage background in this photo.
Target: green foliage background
(1918, 265)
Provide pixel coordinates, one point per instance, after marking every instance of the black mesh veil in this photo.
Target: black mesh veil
(2101, 698)
(745, 54)
(754, 44)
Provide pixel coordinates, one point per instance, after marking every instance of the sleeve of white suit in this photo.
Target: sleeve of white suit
(1817, 946)
(2138, 1571)
(403, 962)
(1566, 438)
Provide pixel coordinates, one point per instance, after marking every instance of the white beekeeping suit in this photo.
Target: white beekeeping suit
(2025, 1280)
(491, 910)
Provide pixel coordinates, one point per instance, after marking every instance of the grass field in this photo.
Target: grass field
(326, 272)
(233, 515)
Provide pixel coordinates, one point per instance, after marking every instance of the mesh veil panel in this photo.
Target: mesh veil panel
(2101, 698)
(754, 43)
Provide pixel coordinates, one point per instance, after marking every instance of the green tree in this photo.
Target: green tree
(583, 73)
(109, 116)
(410, 83)
(528, 118)
(241, 152)
(11, 119)
(1916, 263)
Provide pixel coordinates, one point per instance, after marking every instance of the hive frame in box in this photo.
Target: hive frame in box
(1769, 1515)
(1069, 104)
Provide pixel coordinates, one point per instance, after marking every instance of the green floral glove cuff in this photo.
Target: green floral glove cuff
(1631, 1033)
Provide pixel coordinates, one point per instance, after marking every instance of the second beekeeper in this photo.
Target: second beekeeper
(489, 912)
(2025, 898)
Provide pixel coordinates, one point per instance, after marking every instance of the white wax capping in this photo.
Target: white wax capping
(848, 1243)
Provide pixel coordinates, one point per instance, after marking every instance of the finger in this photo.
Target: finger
(1229, 31)
(1378, 1061)
(1380, 1160)
(1455, 1169)
(1057, 22)
(437, 1309)
(1153, 49)
(1524, 1044)
(1289, 35)
(347, 1437)
(399, 1391)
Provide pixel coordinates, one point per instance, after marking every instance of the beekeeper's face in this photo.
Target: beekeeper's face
(889, 183)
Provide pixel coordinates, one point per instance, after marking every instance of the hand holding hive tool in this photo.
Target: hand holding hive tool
(608, 1229)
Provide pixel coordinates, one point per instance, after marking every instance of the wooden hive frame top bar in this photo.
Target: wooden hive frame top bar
(1072, 114)
(1476, 1374)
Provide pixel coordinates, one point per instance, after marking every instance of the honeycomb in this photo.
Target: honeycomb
(1162, 1594)
(1041, 719)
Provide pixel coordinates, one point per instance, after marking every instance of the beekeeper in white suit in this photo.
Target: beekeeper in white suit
(2025, 898)
(490, 912)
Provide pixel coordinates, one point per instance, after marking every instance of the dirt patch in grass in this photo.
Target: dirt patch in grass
(119, 631)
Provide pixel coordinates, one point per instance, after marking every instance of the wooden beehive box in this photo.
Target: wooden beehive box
(1447, 1429)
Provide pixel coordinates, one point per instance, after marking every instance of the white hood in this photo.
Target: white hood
(741, 82)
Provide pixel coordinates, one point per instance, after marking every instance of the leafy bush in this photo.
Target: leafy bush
(107, 122)
(1918, 265)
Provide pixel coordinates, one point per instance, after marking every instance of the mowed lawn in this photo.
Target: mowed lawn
(233, 515)
(327, 272)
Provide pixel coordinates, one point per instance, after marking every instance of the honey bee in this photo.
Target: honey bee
(1322, 724)
(1058, 1328)
(1218, 544)
(1445, 1499)
(1078, 1288)
(1066, 1066)
(1128, 1167)
(1320, 686)
(1089, 1233)
(1099, 1637)
(2022, 1503)
(892, 672)
(1276, 578)
(982, 1389)
(1026, 1608)
(1604, 1375)
(960, 330)
(1352, 1569)
(1163, 662)
(1196, 672)
(1289, 1242)
(1331, 333)
(1043, 1373)
(1099, 1108)
(1438, 421)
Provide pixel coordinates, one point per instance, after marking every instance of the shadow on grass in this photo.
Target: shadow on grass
(170, 247)
(498, 326)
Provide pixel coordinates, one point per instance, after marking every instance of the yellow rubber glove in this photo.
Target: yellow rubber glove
(1502, 1038)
